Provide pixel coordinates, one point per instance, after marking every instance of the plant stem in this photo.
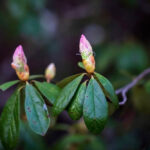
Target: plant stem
(123, 91)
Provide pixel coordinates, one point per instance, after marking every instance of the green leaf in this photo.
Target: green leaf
(7, 85)
(10, 121)
(80, 64)
(66, 95)
(65, 81)
(76, 107)
(36, 76)
(36, 111)
(50, 91)
(108, 89)
(95, 108)
(29, 139)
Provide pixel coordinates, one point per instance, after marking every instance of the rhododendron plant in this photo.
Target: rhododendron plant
(37, 94)
(87, 94)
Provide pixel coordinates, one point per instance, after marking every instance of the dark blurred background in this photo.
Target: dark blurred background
(49, 31)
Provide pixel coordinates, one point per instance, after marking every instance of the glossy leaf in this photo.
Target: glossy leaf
(108, 89)
(50, 91)
(76, 107)
(36, 110)
(65, 81)
(66, 95)
(95, 108)
(9, 122)
(7, 85)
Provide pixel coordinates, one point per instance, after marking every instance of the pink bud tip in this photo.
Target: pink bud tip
(19, 54)
(85, 47)
(83, 39)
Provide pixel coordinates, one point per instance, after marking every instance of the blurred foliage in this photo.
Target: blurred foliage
(132, 58)
(80, 142)
(141, 98)
(1, 146)
(49, 32)
(106, 55)
(128, 56)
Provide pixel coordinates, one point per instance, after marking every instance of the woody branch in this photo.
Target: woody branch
(123, 91)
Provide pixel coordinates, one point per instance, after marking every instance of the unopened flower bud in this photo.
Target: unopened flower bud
(19, 64)
(87, 54)
(50, 72)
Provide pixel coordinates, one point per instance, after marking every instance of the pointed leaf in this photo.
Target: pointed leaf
(36, 76)
(108, 88)
(9, 122)
(36, 110)
(95, 108)
(50, 91)
(80, 64)
(7, 85)
(65, 81)
(66, 95)
(76, 107)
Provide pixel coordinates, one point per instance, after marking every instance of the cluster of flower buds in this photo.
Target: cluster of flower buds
(50, 72)
(19, 64)
(87, 54)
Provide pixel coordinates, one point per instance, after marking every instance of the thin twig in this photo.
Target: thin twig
(123, 91)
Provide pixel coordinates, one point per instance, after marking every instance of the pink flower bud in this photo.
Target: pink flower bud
(85, 47)
(50, 72)
(87, 54)
(19, 64)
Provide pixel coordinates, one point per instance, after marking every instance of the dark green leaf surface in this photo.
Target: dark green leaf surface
(50, 91)
(9, 122)
(65, 81)
(108, 88)
(7, 85)
(95, 108)
(36, 76)
(66, 95)
(36, 110)
(76, 107)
